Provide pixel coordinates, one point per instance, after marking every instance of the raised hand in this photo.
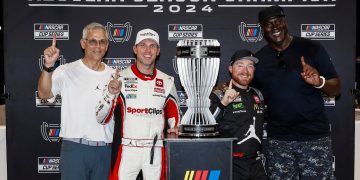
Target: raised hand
(51, 53)
(114, 86)
(230, 95)
(310, 75)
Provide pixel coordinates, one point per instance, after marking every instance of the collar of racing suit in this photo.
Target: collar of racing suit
(141, 75)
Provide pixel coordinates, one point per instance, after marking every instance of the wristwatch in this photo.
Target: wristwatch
(48, 69)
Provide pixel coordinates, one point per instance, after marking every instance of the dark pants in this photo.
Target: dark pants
(305, 160)
(83, 162)
(248, 169)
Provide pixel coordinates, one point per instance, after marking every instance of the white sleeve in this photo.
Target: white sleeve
(105, 107)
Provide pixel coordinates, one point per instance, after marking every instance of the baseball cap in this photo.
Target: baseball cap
(269, 12)
(147, 34)
(243, 54)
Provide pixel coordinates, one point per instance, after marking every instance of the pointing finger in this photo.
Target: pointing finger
(54, 40)
(230, 84)
(303, 61)
(117, 73)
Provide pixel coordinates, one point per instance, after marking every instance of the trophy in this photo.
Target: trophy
(198, 63)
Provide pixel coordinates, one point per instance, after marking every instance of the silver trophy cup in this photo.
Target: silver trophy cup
(198, 63)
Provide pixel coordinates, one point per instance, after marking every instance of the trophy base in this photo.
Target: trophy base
(198, 130)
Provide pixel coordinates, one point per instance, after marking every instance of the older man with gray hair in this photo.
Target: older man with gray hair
(85, 147)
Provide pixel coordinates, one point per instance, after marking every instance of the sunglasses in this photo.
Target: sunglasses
(94, 42)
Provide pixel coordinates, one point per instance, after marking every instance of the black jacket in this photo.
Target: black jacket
(243, 119)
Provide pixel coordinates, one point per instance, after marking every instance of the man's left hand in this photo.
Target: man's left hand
(310, 75)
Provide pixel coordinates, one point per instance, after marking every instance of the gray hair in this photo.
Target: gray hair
(93, 26)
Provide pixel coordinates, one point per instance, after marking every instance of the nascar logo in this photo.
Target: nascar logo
(44, 31)
(119, 32)
(318, 31)
(48, 164)
(119, 63)
(184, 31)
(50, 132)
(250, 32)
(202, 175)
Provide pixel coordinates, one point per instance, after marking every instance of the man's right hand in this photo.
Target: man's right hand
(230, 95)
(51, 53)
(114, 86)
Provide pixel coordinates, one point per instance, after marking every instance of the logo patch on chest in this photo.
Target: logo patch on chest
(237, 106)
(130, 80)
(130, 96)
(159, 82)
(257, 99)
(159, 90)
(130, 87)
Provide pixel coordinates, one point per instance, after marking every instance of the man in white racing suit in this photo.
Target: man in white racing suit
(143, 101)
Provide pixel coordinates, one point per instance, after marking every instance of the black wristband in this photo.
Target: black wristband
(48, 69)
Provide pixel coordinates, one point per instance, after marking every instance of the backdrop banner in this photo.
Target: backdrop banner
(33, 125)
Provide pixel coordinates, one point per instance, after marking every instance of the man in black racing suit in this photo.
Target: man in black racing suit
(239, 111)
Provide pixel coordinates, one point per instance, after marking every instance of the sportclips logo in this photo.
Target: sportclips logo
(144, 111)
(119, 33)
(180, 6)
(184, 31)
(202, 175)
(44, 31)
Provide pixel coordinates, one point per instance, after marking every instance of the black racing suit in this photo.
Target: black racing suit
(243, 118)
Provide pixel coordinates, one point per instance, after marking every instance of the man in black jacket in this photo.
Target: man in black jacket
(239, 111)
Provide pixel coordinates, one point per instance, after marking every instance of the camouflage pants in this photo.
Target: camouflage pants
(304, 160)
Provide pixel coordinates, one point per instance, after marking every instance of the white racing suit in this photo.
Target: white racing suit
(144, 109)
